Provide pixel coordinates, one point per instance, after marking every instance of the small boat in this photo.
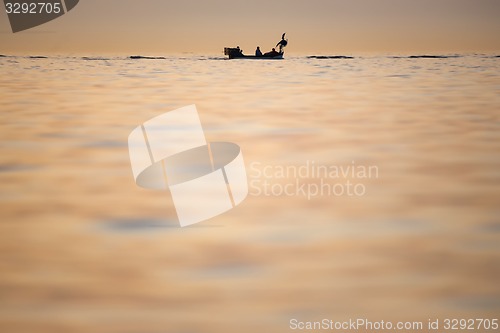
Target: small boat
(235, 53)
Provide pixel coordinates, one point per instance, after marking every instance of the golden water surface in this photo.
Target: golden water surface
(83, 249)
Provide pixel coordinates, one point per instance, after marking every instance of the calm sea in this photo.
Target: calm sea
(83, 249)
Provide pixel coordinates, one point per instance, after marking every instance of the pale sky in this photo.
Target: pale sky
(312, 26)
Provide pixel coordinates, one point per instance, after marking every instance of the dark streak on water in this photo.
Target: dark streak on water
(5, 168)
(229, 270)
(475, 302)
(137, 225)
(105, 144)
(136, 57)
(493, 227)
(432, 57)
(427, 56)
(94, 58)
(330, 57)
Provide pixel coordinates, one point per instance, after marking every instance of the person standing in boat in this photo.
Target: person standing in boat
(282, 43)
(258, 52)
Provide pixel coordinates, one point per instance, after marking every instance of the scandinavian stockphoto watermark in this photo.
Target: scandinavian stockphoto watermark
(310, 179)
(479, 324)
(205, 179)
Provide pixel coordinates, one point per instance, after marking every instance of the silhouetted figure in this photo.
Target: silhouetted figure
(273, 53)
(258, 52)
(282, 43)
(240, 51)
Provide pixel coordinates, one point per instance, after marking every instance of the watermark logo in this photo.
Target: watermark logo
(26, 14)
(170, 152)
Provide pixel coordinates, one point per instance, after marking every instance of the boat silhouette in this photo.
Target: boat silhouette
(237, 53)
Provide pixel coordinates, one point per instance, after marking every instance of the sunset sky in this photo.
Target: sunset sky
(312, 26)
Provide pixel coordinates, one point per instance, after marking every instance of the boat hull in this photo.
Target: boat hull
(278, 57)
(234, 53)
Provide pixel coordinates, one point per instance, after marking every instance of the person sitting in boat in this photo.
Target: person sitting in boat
(240, 51)
(273, 53)
(258, 52)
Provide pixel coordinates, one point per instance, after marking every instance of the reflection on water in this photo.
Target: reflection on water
(83, 249)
